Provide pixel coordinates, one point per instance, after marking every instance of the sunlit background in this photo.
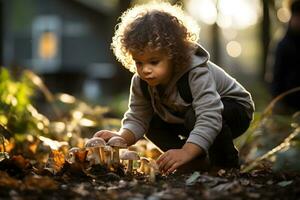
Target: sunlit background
(67, 42)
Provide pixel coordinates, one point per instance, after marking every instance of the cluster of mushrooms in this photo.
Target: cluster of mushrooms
(100, 152)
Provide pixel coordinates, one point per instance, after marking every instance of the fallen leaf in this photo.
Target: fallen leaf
(225, 186)
(80, 189)
(55, 161)
(284, 183)
(20, 162)
(192, 179)
(253, 195)
(80, 156)
(3, 155)
(40, 182)
(7, 181)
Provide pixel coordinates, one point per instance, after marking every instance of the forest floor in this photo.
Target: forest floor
(20, 180)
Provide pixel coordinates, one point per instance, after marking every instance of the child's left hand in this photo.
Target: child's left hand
(172, 159)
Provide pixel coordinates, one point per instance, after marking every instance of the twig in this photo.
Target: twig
(271, 105)
(286, 143)
(267, 112)
(36, 80)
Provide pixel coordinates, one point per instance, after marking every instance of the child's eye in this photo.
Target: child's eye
(138, 63)
(154, 62)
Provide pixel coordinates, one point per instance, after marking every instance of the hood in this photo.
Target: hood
(200, 57)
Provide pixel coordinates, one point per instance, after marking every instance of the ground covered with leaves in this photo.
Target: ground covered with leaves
(19, 179)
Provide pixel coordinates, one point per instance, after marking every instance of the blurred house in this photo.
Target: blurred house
(67, 42)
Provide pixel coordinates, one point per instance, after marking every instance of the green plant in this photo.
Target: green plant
(17, 114)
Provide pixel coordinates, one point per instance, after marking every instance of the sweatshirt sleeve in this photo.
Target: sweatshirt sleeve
(140, 111)
(207, 106)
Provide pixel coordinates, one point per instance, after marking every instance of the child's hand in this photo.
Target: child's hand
(172, 159)
(106, 134)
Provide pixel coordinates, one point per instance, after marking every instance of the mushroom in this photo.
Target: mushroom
(71, 158)
(153, 170)
(116, 142)
(107, 155)
(96, 145)
(149, 167)
(130, 156)
(144, 165)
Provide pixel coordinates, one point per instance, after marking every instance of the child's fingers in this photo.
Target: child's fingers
(103, 134)
(161, 158)
(173, 168)
(100, 133)
(168, 165)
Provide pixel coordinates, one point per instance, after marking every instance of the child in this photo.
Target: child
(186, 105)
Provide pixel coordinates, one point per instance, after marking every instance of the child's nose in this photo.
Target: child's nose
(147, 69)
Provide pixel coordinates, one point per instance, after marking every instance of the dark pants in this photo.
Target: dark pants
(222, 152)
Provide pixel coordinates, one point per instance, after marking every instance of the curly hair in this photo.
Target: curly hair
(159, 26)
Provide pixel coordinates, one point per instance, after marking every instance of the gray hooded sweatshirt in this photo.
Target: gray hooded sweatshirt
(208, 83)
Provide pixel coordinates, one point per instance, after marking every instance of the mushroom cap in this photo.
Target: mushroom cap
(107, 148)
(144, 160)
(95, 142)
(129, 155)
(76, 153)
(117, 141)
(74, 150)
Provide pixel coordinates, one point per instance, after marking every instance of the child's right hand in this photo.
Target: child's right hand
(106, 134)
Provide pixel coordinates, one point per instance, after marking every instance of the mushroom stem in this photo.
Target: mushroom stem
(102, 155)
(107, 153)
(116, 156)
(144, 165)
(129, 166)
(152, 175)
(95, 155)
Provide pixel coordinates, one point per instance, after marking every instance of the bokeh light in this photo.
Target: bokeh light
(204, 10)
(283, 14)
(227, 13)
(234, 49)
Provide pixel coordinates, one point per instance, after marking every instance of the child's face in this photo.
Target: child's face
(153, 67)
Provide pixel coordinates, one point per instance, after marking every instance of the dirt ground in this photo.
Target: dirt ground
(21, 181)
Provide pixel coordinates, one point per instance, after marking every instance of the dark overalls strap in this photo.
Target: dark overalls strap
(184, 88)
(182, 85)
(144, 88)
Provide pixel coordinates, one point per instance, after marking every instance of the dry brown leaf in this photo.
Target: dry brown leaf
(43, 183)
(7, 181)
(80, 156)
(20, 162)
(55, 161)
(33, 147)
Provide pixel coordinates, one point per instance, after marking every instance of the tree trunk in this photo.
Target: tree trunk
(1, 33)
(215, 43)
(265, 36)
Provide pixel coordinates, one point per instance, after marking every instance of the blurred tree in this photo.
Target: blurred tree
(1, 34)
(265, 33)
(215, 32)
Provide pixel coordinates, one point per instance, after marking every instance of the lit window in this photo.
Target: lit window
(47, 45)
